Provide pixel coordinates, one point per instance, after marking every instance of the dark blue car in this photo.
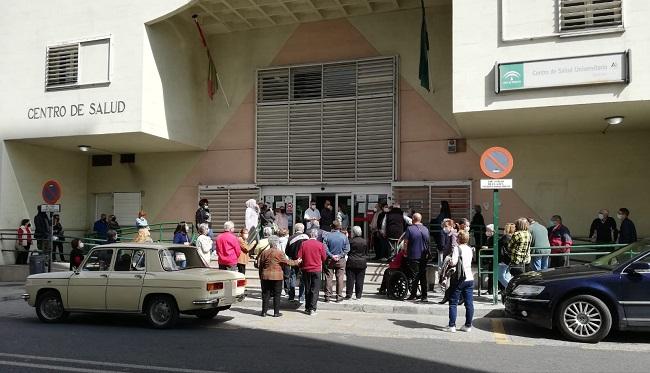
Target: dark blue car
(585, 302)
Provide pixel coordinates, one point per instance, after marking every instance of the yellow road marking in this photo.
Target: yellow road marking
(499, 333)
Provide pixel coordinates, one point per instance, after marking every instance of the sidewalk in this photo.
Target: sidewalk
(11, 291)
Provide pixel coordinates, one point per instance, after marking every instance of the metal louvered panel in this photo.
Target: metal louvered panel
(62, 66)
(306, 83)
(459, 198)
(376, 77)
(589, 14)
(228, 203)
(305, 142)
(375, 118)
(273, 85)
(340, 80)
(339, 135)
(272, 144)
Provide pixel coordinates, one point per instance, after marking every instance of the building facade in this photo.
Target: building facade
(318, 99)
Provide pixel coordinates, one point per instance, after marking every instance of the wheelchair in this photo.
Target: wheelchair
(399, 282)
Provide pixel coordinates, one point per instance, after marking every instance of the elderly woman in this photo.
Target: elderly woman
(262, 244)
(243, 256)
(355, 267)
(204, 243)
(271, 262)
(144, 236)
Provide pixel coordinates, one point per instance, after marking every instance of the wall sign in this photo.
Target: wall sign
(51, 192)
(76, 110)
(563, 72)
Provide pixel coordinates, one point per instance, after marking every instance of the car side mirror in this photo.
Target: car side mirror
(638, 268)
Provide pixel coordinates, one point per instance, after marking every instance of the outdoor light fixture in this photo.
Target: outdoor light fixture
(613, 121)
(84, 148)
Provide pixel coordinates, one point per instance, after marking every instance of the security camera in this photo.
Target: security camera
(322, 188)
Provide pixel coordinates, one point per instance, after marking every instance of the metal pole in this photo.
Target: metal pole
(51, 241)
(495, 252)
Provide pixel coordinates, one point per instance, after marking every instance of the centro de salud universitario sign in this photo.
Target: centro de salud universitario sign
(563, 72)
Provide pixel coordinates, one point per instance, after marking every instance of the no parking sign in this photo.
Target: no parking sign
(51, 192)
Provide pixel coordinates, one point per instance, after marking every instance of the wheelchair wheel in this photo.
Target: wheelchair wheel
(398, 286)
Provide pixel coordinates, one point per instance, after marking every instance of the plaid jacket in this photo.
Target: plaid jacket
(519, 248)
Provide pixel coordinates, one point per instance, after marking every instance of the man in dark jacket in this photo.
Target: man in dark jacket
(292, 273)
(627, 233)
(394, 226)
(202, 214)
(417, 246)
(603, 228)
(327, 217)
(42, 225)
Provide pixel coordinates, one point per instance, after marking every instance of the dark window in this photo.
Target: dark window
(127, 158)
(102, 160)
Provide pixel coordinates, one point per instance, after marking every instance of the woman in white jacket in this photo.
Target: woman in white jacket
(204, 243)
(252, 219)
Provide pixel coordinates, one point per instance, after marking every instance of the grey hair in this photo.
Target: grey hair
(227, 226)
(313, 233)
(299, 228)
(268, 232)
(356, 231)
(203, 228)
(274, 242)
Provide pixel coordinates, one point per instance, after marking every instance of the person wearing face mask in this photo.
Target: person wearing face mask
(202, 214)
(627, 234)
(243, 256)
(76, 254)
(478, 226)
(252, 220)
(603, 228)
(380, 245)
(311, 215)
(559, 235)
(327, 217)
(24, 241)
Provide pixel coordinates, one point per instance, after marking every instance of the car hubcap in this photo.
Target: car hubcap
(161, 312)
(582, 319)
(52, 308)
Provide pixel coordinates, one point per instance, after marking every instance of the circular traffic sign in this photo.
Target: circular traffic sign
(497, 162)
(51, 192)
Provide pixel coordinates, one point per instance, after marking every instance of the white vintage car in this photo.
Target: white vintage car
(161, 281)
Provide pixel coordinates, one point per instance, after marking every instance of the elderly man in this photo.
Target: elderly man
(293, 247)
(312, 215)
(603, 228)
(228, 248)
(338, 247)
(539, 244)
(417, 246)
(313, 254)
(271, 263)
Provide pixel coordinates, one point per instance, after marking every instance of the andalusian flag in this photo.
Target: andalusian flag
(424, 52)
(212, 70)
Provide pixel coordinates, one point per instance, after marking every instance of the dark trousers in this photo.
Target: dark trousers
(233, 267)
(517, 269)
(382, 248)
(21, 256)
(58, 246)
(271, 287)
(417, 272)
(384, 281)
(312, 287)
(559, 261)
(241, 268)
(354, 281)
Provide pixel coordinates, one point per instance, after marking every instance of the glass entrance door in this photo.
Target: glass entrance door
(301, 205)
(344, 210)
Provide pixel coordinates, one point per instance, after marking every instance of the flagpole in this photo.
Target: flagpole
(223, 91)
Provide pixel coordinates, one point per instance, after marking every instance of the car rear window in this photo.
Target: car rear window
(167, 260)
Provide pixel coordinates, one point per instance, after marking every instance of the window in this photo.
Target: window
(130, 260)
(99, 260)
(102, 160)
(326, 122)
(590, 14)
(77, 64)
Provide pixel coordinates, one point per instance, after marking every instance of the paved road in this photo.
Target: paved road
(240, 341)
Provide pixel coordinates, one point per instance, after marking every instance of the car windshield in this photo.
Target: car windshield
(621, 256)
(167, 260)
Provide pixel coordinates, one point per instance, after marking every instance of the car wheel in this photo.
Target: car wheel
(584, 318)
(162, 312)
(49, 307)
(207, 314)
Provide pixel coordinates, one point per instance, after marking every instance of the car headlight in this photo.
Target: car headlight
(528, 290)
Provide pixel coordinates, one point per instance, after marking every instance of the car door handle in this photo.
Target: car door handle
(137, 276)
(103, 275)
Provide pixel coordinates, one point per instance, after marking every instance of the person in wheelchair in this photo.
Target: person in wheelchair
(396, 265)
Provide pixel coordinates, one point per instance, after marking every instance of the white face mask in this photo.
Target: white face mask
(446, 229)
(81, 245)
(601, 216)
(489, 234)
(245, 236)
(313, 207)
(466, 229)
(386, 209)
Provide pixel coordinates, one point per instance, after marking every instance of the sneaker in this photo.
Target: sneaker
(313, 313)
(308, 312)
(450, 329)
(301, 300)
(466, 329)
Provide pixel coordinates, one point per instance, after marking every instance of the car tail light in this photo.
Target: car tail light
(241, 283)
(214, 286)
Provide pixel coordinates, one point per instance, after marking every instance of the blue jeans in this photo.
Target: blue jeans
(539, 263)
(467, 290)
(504, 275)
(290, 282)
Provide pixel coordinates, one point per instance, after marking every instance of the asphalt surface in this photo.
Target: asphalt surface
(239, 340)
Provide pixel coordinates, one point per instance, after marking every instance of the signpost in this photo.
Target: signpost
(496, 163)
(51, 194)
